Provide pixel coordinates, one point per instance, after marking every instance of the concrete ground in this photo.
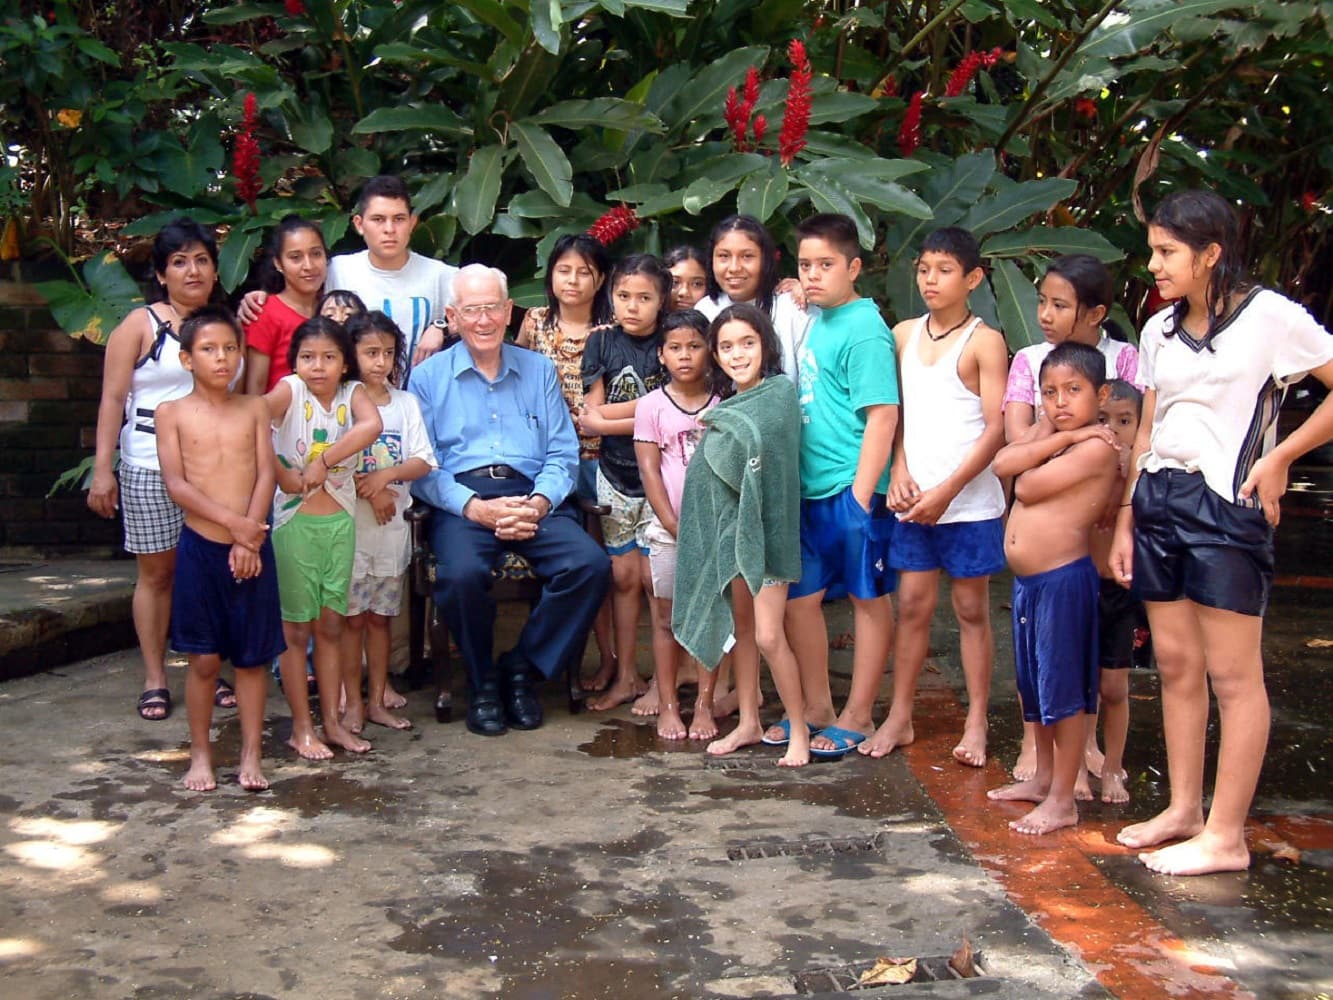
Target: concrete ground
(589, 859)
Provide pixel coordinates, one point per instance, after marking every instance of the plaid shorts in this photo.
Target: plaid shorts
(152, 520)
(382, 595)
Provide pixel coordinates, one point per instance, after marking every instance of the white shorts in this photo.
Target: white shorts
(661, 559)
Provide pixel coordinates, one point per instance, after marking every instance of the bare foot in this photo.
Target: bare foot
(616, 695)
(734, 740)
(725, 704)
(392, 699)
(670, 726)
(251, 775)
(353, 722)
(794, 758)
(648, 703)
(1166, 825)
(1020, 791)
(1093, 758)
(200, 777)
(889, 737)
(606, 673)
(345, 738)
(1113, 788)
(703, 726)
(971, 749)
(1082, 790)
(310, 748)
(1045, 818)
(1200, 855)
(381, 716)
(1025, 768)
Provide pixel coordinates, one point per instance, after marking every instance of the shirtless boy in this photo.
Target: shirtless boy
(217, 462)
(1065, 468)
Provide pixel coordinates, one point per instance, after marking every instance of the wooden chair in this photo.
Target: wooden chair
(512, 580)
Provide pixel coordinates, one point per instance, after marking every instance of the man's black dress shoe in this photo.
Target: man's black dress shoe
(523, 710)
(485, 715)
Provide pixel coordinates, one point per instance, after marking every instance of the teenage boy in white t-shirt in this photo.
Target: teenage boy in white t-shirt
(411, 289)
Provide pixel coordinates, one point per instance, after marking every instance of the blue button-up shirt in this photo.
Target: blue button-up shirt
(519, 419)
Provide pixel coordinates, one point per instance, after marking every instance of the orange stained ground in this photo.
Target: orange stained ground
(1054, 878)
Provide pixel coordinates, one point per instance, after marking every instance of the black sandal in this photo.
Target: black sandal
(224, 696)
(154, 699)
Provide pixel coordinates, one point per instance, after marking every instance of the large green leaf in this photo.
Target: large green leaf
(476, 193)
(431, 117)
(900, 289)
(1053, 240)
(962, 184)
(236, 256)
(93, 309)
(546, 20)
(676, 8)
(545, 160)
(1012, 205)
(603, 112)
(707, 89)
(314, 133)
(237, 13)
(433, 192)
(188, 170)
(763, 191)
(494, 14)
(1140, 23)
(1016, 303)
(829, 195)
(840, 106)
(704, 191)
(862, 183)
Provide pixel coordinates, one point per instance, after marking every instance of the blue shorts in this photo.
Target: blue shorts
(844, 549)
(586, 487)
(963, 549)
(1056, 641)
(213, 613)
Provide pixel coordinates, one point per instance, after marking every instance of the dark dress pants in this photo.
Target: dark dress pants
(573, 570)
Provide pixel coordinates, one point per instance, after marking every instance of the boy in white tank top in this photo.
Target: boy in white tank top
(949, 504)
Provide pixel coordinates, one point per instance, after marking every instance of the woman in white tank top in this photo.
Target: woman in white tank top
(141, 369)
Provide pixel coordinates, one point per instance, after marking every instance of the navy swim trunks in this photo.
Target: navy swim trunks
(212, 612)
(1055, 641)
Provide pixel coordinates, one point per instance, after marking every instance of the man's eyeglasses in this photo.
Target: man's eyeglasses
(476, 312)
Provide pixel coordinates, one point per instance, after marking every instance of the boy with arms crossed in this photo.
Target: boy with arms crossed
(849, 411)
(1066, 466)
(949, 504)
(217, 462)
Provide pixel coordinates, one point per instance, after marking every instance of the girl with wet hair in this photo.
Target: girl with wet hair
(1194, 537)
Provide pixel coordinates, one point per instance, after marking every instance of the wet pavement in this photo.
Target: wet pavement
(589, 859)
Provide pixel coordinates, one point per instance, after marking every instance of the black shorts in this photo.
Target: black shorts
(1119, 614)
(1191, 543)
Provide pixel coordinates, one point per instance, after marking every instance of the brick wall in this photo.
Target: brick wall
(49, 388)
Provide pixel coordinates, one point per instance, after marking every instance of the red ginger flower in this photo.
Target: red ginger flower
(1085, 107)
(909, 134)
(760, 125)
(796, 116)
(613, 224)
(964, 72)
(245, 159)
(1309, 201)
(295, 8)
(738, 109)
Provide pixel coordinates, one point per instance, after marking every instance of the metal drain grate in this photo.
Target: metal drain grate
(805, 848)
(932, 969)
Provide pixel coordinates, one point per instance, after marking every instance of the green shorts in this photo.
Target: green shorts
(314, 555)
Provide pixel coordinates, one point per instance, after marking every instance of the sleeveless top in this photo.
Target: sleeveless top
(158, 378)
(942, 421)
(307, 429)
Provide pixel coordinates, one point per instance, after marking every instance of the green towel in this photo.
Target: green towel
(740, 513)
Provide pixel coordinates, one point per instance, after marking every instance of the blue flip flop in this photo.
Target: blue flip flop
(785, 726)
(840, 736)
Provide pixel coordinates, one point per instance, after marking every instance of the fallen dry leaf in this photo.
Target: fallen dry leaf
(1281, 850)
(888, 972)
(1320, 643)
(963, 961)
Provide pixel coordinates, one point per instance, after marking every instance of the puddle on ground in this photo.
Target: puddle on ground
(623, 739)
(548, 931)
(328, 791)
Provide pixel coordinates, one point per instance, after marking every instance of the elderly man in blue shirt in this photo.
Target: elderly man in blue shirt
(508, 459)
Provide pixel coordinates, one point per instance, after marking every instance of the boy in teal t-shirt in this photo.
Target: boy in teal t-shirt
(849, 413)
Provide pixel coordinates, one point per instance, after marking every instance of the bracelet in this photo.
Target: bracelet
(325, 460)
(1128, 504)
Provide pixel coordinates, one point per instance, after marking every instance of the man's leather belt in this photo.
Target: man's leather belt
(493, 472)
